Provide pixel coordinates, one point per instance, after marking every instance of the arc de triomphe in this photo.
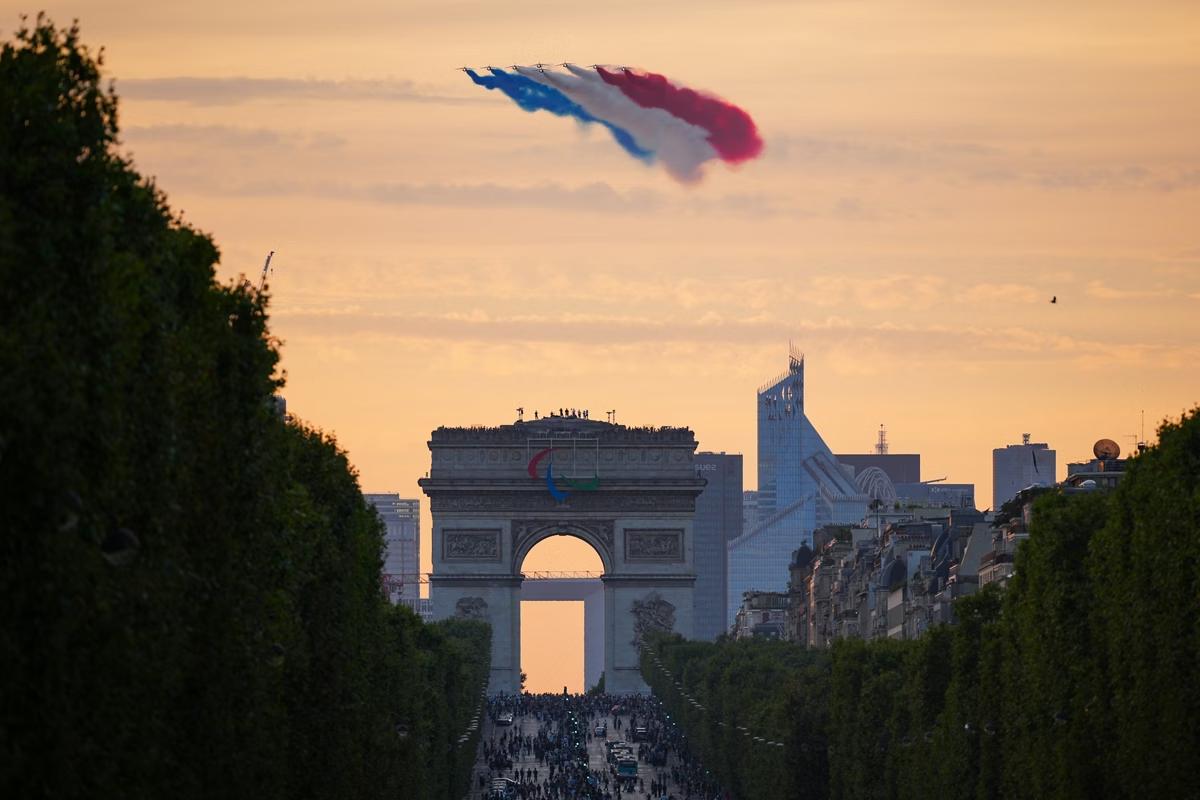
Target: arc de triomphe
(628, 492)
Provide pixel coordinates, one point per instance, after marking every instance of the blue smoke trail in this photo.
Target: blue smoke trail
(533, 96)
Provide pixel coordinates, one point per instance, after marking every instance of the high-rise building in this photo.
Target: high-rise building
(718, 521)
(1018, 466)
(801, 487)
(402, 537)
(749, 509)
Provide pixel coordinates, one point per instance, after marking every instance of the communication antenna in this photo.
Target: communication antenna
(1025, 438)
(520, 414)
(262, 282)
(881, 446)
(612, 416)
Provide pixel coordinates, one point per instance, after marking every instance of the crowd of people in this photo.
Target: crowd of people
(539, 748)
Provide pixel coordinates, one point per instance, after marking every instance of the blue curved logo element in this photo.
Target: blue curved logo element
(555, 492)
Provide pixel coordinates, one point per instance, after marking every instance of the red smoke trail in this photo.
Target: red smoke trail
(730, 130)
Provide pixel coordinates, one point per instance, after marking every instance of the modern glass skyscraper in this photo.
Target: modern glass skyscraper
(402, 561)
(801, 487)
(718, 520)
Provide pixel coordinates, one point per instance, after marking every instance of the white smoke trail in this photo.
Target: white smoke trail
(680, 146)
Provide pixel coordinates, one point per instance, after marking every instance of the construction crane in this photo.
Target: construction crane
(262, 282)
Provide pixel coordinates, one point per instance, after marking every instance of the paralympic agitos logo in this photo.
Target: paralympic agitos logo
(553, 483)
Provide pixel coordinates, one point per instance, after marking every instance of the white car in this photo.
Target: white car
(505, 718)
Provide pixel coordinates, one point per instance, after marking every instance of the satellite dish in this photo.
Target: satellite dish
(1106, 449)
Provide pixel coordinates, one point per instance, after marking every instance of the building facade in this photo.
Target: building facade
(900, 467)
(936, 494)
(885, 581)
(762, 615)
(718, 521)
(1019, 466)
(801, 487)
(402, 538)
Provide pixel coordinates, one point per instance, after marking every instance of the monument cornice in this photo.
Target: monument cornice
(526, 502)
(484, 485)
(560, 428)
(649, 579)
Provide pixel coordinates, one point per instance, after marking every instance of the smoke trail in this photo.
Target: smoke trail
(730, 129)
(680, 146)
(533, 96)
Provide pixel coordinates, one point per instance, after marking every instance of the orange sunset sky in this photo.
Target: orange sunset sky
(934, 172)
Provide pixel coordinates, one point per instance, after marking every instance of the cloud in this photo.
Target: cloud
(866, 151)
(597, 196)
(1102, 291)
(889, 292)
(891, 340)
(1092, 178)
(1001, 293)
(976, 162)
(228, 137)
(560, 327)
(1128, 177)
(203, 91)
(852, 208)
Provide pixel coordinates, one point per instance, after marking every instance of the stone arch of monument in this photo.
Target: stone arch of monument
(630, 493)
(533, 533)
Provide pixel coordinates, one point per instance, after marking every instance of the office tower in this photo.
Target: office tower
(749, 509)
(402, 537)
(718, 521)
(1018, 466)
(801, 487)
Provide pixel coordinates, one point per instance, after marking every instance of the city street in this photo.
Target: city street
(534, 744)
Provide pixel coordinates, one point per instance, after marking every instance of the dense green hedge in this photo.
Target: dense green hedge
(1077, 682)
(190, 602)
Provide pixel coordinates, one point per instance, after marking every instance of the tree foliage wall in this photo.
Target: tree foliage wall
(1078, 681)
(190, 600)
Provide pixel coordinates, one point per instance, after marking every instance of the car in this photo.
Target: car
(621, 751)
(639, 733)
(503, 789)
(601, 730)
(505, 718)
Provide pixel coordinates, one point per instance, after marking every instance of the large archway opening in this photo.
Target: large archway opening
(553, 633)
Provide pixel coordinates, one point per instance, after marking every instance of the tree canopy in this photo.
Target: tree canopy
(1075, 682)
(190, 599)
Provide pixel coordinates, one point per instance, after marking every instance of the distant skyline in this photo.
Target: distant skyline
(934, 173)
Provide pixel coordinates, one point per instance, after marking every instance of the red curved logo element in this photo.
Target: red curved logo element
(538, 456)
(588, 485)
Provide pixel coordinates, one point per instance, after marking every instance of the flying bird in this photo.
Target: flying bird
(1054, 299)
